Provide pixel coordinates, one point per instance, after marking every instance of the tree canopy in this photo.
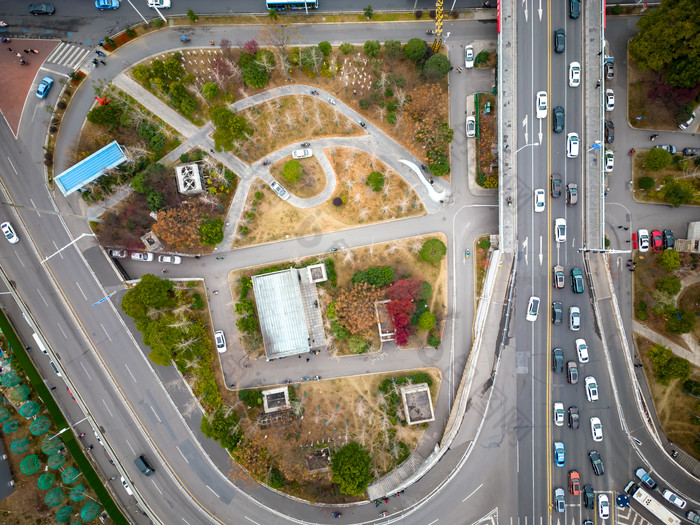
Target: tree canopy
(657, 159)
(151, 292)
(415, 49)
(229, 127)
(350, 466)
(433, 250)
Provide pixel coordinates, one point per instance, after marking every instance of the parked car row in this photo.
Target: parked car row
(145, 256)
(657, 241)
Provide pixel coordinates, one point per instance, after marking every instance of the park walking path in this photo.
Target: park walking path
(692, 356)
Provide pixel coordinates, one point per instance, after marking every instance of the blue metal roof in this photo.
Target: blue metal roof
(90, 168)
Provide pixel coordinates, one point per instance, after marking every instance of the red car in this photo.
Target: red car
(634, 241)
(656, 242)
(574, 483)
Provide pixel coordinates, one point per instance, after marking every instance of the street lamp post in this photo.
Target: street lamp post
(525, 146)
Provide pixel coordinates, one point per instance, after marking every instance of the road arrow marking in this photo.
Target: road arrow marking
(540, 133)
(525, 8)
(539, 11)
(540, 250)
(525, 126)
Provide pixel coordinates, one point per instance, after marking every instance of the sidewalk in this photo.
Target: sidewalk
(692, 356)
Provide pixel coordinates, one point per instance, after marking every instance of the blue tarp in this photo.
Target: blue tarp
(90, 168)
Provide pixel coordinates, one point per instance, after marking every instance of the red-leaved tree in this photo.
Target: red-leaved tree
(403, 293)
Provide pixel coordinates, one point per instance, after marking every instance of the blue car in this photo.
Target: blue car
(106, 4)
(559, 453)
(44, 87)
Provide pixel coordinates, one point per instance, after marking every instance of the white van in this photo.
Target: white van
(38, 342)
(55, 368)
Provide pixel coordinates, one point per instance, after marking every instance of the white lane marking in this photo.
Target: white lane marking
(105, 331)
(107, 407)
(61, 329)
(81, 290)
(42, 297)
(473, 492)
(85, 370)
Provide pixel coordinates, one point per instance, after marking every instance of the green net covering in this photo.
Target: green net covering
(19, 393)
(54, 497)
(90, 511)
(63, 514)
(51, 444)
(46, 481)
(29, 409)
(70, 475)
(30, 465)
(19, 445)
(56, 461)
(77, 493)
(40, 426)
(4, 414)
(10, 426)
(11, 379)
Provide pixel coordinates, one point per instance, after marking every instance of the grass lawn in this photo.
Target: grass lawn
(678, 412)
(681, 168)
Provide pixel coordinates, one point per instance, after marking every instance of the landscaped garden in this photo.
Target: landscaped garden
(661, 177)
(487, 142)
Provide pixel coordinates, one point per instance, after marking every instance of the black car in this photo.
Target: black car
(588, 496)
(574, 8)
(574, 418)
(559, 40)
(667, 239)
(41, 9)
(557, 312)
(556, 185)
(609, 131)
(596, 463)
(558, 360)
(558, 119)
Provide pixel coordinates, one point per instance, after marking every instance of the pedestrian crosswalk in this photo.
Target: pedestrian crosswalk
(68, 55)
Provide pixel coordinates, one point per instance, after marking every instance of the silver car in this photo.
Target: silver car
(574, 318)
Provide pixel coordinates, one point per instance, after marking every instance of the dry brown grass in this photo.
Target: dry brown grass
(674, 408)
(276, 219)
(681, 168)
(311, 183)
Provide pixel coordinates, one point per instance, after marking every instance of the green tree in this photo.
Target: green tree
(211, 232)
(193, 17)
(645, 183)
(254, 75)
(272, 13)
(657, 159)
(142, 73)
(340, 331)
(210, 90)
(372, 48)
(253, 398)
(173, 70)
(358, 344)
(150, 292)
(427, 291)
(141, 183)
(436, 67)
(415, 49)
(669, 284)
(369, 12)
(375, 180)
(678, 192)
(434, 339)
(325, 48)
(669, 260)
(155, 200)
(684, 72)
(222, 426)
(426, 320)
(350, 466)
(347, 48)
(108, 115)
(229, 127)
(393, 50)
(433, 250)
(276, 479)
(680, 322)
(292, 170)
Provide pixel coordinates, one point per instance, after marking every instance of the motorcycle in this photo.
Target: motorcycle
(510, 202)
(100, 53)
(362, 123)
(305, 144)
(632, 152)
(304, 378)
(265, 162)
(337, 514)
(314, 92)
(334, 249)
(466, 254)
(430, 32)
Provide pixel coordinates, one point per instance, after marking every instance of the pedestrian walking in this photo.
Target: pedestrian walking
(27, 51)
(619, 227)
(90, 447)
(112, 478)
(19, 55)
(597, 84)
(102, 43)
(9, 49)
(164, 270)
(627, 228)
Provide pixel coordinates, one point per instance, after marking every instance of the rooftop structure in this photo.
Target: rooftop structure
(90, 168)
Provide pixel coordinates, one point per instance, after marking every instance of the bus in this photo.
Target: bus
(291, 5)
(657, 509)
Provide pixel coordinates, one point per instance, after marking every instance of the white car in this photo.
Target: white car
(603, 506)
(301, 153)
(559, 414)
(574, 318)
(591, 389)
(643, 236)
(540, 200)
(541, 104)
(469, 57)
(220, 341)
(533, 308)
(609, 100)
(279, 190)
(688, 122)
(160, 4)
(596, 429)
(127, 488)
(169, 259)
(609, 160)
(574, 74)
(560, 230)
(9, 232)
(572, 145)
(675, 499)
(118, 254)
(582, 350)
(471, 126)
(143, 257)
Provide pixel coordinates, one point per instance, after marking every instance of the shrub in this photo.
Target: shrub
(158, 22)
(210, 90)
(433, 251)
(364, 103)
(680, 322)
(418, 14)
(372, 48)
(678, 192)
(155, 200)
(670, 285)
(251, 398)
(377, 276)
(669, 260)
(391, 118)
(358, 345)
(325, 48)
(191, 15)
(275, 479)
(616, 9)
(657, 159)
(415, 49)
(434, 339)
(340, 331)
(130, 32)
(254, 75)
(375, 180)
(485, 243)
(211, 232)
(347, 48)
(157, 142)
(337, 202)
(426, 321)
(258, 195)
(427, 291)
(481, 58)
(292, 171)
(184, 158)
